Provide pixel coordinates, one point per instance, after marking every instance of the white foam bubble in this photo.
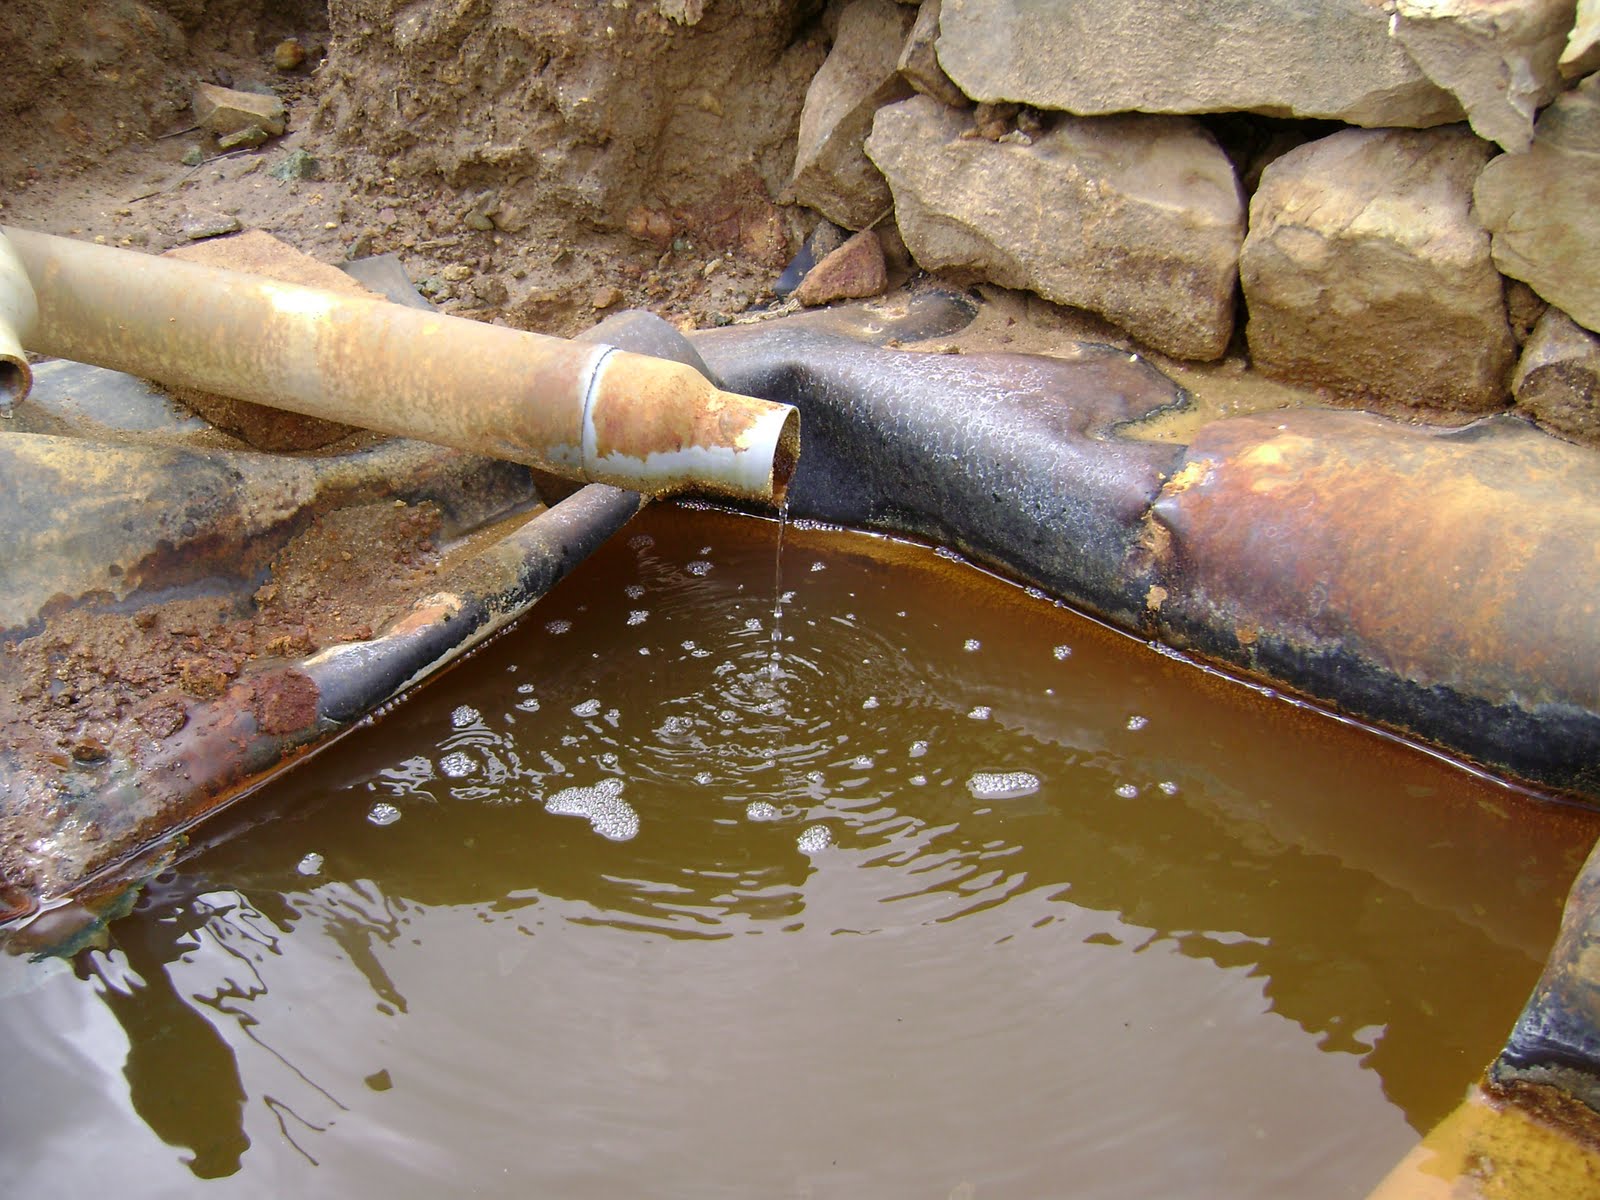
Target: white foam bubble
(918, 749)
(760, 810)
(1062, 652)
(703, 778)
(633, 591)
(457, 764)
(919, 780)
(557, 626)
(1168, 787)
(752, 623)
(1137, 723)
(638, 616)
(311, 864)
(971, 644)
(1002, 785)
(589, 708)
(861, 761)
(1128, 791)
(814, 838)
(675, 726)
(980, 713)
(870, 702)
(699, 567)
(465, 715)
(608, 814)
(819, 566)
(383, 814)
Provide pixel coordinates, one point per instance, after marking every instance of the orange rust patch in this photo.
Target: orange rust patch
(284, 701)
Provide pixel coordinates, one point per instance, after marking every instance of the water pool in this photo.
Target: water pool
(958, 895)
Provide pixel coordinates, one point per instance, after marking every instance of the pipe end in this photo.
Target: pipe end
(785, 457)
(16, 381)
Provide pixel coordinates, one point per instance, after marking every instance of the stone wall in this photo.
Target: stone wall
(1390, 201)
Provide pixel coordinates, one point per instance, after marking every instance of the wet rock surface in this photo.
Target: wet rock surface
(1366, 273)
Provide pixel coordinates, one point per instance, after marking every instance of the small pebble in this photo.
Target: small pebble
(288, 54)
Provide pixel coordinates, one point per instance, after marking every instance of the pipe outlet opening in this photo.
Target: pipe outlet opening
(16, 380)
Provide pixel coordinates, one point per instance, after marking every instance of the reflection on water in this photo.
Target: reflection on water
(954, 895)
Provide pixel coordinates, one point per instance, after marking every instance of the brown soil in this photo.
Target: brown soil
(69, 688)
(532, 164)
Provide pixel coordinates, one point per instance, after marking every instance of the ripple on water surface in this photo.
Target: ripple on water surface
(952, 842)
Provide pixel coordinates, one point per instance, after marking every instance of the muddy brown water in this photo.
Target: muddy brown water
(963, 896)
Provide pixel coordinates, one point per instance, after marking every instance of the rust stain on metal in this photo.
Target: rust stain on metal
(1439, 555)
(284, 701)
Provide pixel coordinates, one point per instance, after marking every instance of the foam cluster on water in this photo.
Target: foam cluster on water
(760, 810)
(814, 839)
(1002, 785)
(608, 813)
(457, 765)
(383, 814)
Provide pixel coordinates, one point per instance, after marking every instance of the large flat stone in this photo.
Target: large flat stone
(1498, 57)
(1137, 218)
(831, 171)
(1313, 58)
(1543, 207)
(1366, 274)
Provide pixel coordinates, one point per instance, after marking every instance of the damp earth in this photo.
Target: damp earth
(857, 873)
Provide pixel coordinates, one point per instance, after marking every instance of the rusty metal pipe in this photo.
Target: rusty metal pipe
(585, 411)
(18, 313)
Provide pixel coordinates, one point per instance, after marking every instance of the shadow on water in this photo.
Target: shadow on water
(962, 938)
